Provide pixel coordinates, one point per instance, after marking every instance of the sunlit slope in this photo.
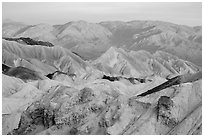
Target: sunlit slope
(48, 59)
(141, 64)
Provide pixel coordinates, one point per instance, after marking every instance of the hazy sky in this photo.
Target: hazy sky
(60, 13)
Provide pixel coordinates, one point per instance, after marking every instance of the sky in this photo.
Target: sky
(59, 13)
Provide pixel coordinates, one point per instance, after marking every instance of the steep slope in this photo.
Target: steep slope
(117, 62)
(179, 66)
(44, 59)
(141, 64)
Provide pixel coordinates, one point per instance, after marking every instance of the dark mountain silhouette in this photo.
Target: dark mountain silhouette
(30, 41)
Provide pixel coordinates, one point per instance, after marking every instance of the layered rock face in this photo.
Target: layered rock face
(49, 90)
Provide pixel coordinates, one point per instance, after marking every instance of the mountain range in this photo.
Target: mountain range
(109, 78)
(91, 40)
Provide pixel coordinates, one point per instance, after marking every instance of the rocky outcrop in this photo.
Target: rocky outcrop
(91, 109)
(174, 81)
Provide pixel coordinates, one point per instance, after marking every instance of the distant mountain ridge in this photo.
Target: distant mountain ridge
(91, 40)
